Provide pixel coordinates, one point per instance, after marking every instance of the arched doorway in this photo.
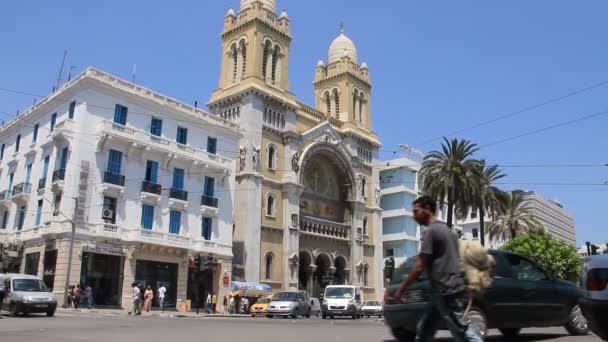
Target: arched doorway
(323, 275)
(341, 276)
(305, 271)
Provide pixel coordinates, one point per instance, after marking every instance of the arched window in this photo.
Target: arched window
(363, 186)
(272, 157)
(361, 106)
(235, 61)
(269, 263)
(267, 49)
(355, 103)
(270, 205)
(365, 226)
(328, 102)
(336, 96)
(243, 47)
(275, 64)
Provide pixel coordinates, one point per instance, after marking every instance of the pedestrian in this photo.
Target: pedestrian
(77, 295)
(136, 300)
(161, 297)
(213, 303)
(440, 258)
(208, 303)
(225, 302)
(88, 296)
(70, 303)
(148, 296)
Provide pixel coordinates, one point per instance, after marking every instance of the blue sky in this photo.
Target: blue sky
(436, 66)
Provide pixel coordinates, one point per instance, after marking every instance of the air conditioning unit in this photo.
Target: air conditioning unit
(107, 214)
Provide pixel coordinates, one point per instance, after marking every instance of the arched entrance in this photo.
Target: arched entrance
(341, 271)
(305, 271)
(323, 275)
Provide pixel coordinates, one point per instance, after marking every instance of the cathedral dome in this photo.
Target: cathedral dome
(340, 47)
(268, 4)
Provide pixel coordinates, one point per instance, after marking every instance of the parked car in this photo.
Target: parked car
(289, 304)
(594, 280)
(342, 300)
(372, 308)
(315, 307)
(26, 294)
(522, 295)
(259, 308)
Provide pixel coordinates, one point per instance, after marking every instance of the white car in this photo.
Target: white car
(372, 308)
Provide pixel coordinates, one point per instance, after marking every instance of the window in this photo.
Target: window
(114, 162)
(328, 103)
(363, 187)
(120, 114)
(209, 189)
(211, 145)
(32, 261)
(35, 133)
(243, 57)
(269, 262)
(109, 210)
(156, 127)
(175, 221)
(147, 216)
(63, 162)
(272, 156)
(270, 203)
(152, 171)
(21, 217)
(45, 167)
(182, 135)
(178, 179)
(365, 226)
(235, 62)
(28, 174)
(366, 276)
(4, 219)
(53, 121)
(207, 228)
(57, 205)
(475, 233)
(474, 214)
(337, 103)
(72, 110)
(389, 252)
(2, 151)
(17, 143)
(523, 269)
(11, 178)
(39, 212)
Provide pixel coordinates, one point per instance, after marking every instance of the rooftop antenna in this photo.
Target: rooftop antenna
(65, 54)
(72, 67)
(134, 72)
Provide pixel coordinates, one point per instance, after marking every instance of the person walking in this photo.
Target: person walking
(225, 302)
(70, 303)
(440, 258)
(136, 300)
(208, 303)
(77, 295)
(148, 296)
(161, 297)
(213, 303)
(88, 296)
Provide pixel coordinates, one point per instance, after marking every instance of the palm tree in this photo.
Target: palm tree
(515, 217)
(485, 196)
(447, 173)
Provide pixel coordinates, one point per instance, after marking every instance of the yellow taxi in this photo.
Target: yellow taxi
(259, 308)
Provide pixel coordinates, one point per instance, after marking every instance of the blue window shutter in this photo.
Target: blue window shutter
(64, 159)
(178, 179)
(182, 135)
(17, 143)
(114, 162)
(11, 177)
(120, 114)
(209, 190)
(2, 151)
(28, 173)
(21, 218)
(45, 168)
(212, 145)
(39, 213)
(72, 110)
(207, 228)
(53, 121)
(156, 127)
(152, 171)
(175, 219)
(147, 216)
(35, 135)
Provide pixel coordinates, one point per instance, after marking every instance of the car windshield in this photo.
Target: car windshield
(263, 301)
(372, 303)
(285, 296)
(339, 292)
(29, 285)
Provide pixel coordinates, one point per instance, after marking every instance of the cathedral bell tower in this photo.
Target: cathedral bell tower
(342, 86)
(255, 47)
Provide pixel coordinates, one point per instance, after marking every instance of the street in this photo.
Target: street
(83, 326)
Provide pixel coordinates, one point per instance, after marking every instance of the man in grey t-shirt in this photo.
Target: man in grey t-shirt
(440, 258)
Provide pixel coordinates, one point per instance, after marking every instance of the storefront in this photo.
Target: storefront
(157, 274)
(102, 268)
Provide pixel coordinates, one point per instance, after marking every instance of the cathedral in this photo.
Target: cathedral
(306, 211)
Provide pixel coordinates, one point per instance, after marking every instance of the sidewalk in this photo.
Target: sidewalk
(166, 314)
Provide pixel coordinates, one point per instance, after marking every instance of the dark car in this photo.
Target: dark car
(522, 295)
(594, 304)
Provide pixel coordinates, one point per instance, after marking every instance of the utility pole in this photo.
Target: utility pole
(69, 271)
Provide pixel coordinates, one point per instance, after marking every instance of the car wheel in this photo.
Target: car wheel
(308, 314)
(50, 313)
(477, 322)
(324, 316)
(403, 335)
(510, 333)
(577, 323)
(331, 317)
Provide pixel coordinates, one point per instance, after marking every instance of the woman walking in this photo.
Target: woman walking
(148, 296)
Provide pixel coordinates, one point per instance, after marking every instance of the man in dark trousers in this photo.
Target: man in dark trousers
(440, 258)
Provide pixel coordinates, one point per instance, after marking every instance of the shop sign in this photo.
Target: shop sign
(226, 280)
(104, 249)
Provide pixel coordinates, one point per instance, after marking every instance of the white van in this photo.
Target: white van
(26, 294)
(342, 300)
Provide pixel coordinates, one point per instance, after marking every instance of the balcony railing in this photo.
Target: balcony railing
(41, 183)
(5, 195)
(58, 175)
(178, 194)
(319, 227)
(22, 188)
(151, 188)
(114, 178)
(209, 201)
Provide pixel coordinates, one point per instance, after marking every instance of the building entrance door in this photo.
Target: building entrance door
(155, 274)
(104, 273)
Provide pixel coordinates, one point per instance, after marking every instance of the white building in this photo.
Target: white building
(146, 179)
(558, 221)
(398, 189)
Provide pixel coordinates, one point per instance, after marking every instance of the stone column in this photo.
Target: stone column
(63, 248)
(128, 279)
(223, 289)
(356, 238)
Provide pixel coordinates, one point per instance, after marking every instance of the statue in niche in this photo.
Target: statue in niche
(243, 158)
(295, 162)
(378, 195)
(256, 158)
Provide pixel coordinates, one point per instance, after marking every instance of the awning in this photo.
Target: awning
(249, 289)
